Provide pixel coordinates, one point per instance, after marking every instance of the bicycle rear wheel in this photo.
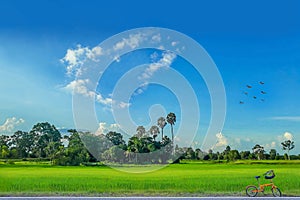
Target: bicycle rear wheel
(251, 190)
(276, 192)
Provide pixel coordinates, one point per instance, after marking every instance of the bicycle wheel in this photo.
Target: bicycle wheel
(276, 192)
(251, 190)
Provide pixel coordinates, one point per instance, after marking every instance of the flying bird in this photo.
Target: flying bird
(263, 92)
(241, 102)
(254, 97)
(263, 100)
(260, 82)
(249, 86)
(246, 93)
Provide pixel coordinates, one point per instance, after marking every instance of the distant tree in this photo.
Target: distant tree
(115, 138)
(225, 153)
(161, 122)
(273, 154)
(190, 154)
(154, 131)
(76, 152)
(51, 150)
(245, 155)
(287, 146)
(258, 150)
(44, 133)
(234, 155)
(114, 154)
(4, 139)
(199, 154)
(171, 119)
(140, 131)
(23, 143)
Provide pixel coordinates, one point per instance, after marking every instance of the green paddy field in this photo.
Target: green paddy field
(186, 179)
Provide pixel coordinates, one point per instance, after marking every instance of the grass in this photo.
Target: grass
(191, 179)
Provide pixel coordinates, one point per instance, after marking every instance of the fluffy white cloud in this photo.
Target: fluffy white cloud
(174, 43)
(288, 136)
(133, 41)
(156, 38)
(165, 62)
(105, 128)
(10, 124)
(80, 86)
(270, 146)
(74, 58)
(221, 140)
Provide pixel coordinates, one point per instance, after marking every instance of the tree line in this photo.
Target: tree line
(45, 142)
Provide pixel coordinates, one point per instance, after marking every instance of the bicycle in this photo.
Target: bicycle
(252, 190)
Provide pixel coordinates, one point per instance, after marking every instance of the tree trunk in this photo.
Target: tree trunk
(162, 134)
(172, 133)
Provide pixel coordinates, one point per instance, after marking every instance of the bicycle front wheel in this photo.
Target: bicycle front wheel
(251, 190)
(276, 192)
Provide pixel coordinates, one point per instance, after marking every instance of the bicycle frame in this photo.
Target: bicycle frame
(262, 186)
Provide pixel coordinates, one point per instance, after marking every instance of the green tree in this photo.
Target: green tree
(273, 154)
(258, 150)
(51, 150)
(115, 138)
(76, 152)
(287, 146)
(23, 143)
(44, 133)
(245, 155)
(161, 123)
(171, 119)
(234, 155)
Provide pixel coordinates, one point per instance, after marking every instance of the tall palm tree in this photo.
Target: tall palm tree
(140, 131)
(154, 130)
(161, 122)
(171, 119)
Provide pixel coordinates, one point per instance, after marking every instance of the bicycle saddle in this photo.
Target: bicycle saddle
(257, 177)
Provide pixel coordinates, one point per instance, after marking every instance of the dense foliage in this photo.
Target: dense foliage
(45, 142)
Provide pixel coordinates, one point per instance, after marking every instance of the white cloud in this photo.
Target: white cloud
(221, 140)
(105, 128)
(270, 146)
(133, 42)
(288, 136)
(79, 86)
(286, 118)
(74, 58)
(156, 38)
(104, 101)
(165, 62)
(174, 43)
(123, 104)
(10, 124)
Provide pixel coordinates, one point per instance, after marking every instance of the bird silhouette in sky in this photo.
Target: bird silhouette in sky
(263, 92)
(255, 92)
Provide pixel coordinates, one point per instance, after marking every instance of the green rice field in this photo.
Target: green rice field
(186, 179)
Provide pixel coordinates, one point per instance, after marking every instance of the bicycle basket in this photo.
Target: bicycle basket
(270, 174)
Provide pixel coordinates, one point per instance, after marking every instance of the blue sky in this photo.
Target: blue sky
(249, 41)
